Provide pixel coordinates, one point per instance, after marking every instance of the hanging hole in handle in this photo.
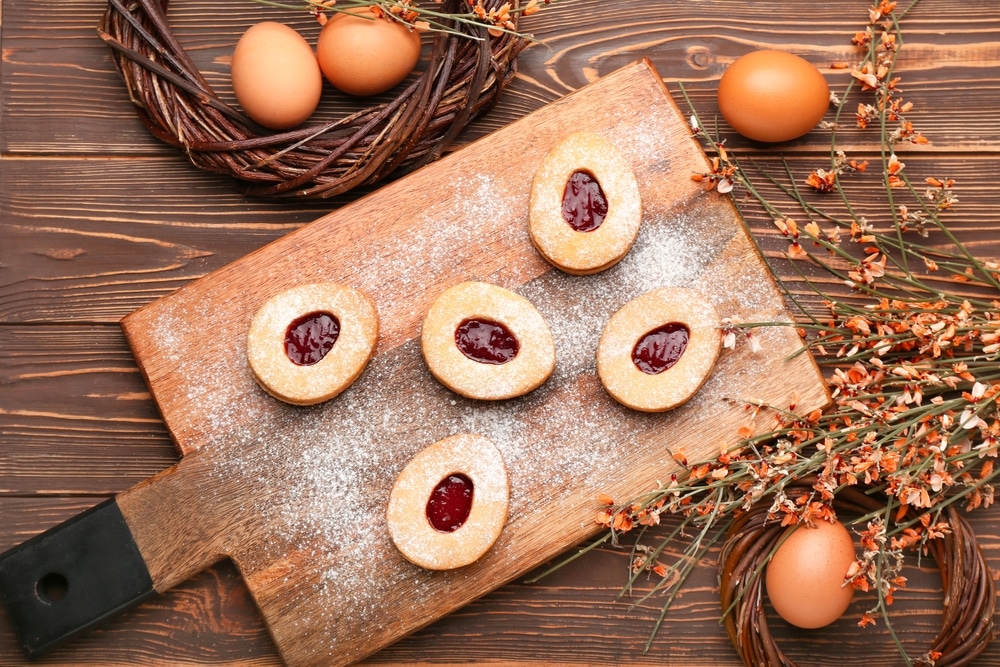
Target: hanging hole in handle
(72, 578)
(52, 588)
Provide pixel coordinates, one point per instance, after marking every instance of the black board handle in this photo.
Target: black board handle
(72, 578)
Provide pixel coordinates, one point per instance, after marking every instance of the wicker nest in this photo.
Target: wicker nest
(462, 79)
(967, 625)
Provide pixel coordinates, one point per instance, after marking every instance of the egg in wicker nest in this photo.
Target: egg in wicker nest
(967, 624)
(463, 76)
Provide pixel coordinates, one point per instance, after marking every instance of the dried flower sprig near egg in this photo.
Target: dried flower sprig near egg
(498, 20)
(913, 370)
(969, 590)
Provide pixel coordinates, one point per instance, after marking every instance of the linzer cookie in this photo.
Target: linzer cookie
(584, 211)
(485, 342)
(449, 504)
(658, 349)
(309, 343)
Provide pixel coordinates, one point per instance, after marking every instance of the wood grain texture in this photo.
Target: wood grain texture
(949, 53)
(98, 219)
(238, 492)
(574, 617)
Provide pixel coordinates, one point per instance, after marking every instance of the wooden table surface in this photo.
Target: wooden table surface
(97, 218)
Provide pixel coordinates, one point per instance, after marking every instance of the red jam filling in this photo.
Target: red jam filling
(584, 205)
(661, 348)
(450, 503)
(486, 341)
(310, 337)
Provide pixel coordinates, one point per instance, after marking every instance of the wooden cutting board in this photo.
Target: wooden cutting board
(296, 496)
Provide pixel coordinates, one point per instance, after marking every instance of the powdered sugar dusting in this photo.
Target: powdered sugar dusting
(425, 245)
(337, 462)
(407, 518)
(326, 471)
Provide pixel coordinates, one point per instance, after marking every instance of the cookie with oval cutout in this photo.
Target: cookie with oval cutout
(307, 344)
(658, 349)
(585, 210)
(486, 342)
(449, 504)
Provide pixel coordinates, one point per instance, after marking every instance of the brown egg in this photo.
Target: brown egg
(275, 76)
(805, 577)
(364, 55)
(773, 96)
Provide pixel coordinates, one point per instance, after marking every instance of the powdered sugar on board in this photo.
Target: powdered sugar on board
(326, 576)
(339, 460)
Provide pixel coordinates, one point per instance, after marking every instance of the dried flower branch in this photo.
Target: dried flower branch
(496, 20)
(912, 368)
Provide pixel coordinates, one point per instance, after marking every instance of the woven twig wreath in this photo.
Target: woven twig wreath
(462, 79)
(967, 625)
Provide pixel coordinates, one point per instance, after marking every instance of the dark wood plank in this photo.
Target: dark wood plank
(76, 417)
(573, 617)
(74, 256)
(947, 57)
(97, 219)
(95, 255)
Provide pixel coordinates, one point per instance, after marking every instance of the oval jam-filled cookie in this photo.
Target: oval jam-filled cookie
(449, 504)
(658, 349)
(309, 343)
(485, 342)
(584, 211)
